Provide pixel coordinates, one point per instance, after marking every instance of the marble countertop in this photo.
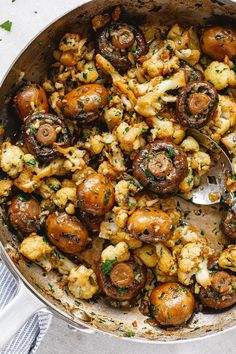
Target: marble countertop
(28, 17)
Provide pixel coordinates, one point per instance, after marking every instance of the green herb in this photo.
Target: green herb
(77, 302)
(170, 153)
(40, 43)
(53, 187)
(149, 253)
(107, 266)
(126, 130)
(131, 113)
(6, 25)
(122, 291)
(85, 76)
(33, 130)
(45, 239)
(21, 198)
(168, 38)
(79, 203)
(202, 233)
(107, 196)
(169, 47)
(130, 333)
(31, 162)
(143, 131)
(147, 173)
(184, 290)
(51, 288)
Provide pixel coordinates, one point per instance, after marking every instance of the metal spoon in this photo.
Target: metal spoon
(212, 188)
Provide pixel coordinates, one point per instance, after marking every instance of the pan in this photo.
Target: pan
(34, 288)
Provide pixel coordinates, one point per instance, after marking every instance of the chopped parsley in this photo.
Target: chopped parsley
(107, 196)
(107, 266)
(31, 162)
(45, 239)
(6, 25)
(51, 288)
(40, 43)
(21, 198)
(53, 187)
(85, 76)
(170, 153)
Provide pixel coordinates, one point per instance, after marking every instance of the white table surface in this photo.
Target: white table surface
(28, 18)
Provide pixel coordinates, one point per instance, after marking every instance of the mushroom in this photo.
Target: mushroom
(150, 225)
(85, 103)
(117, 40)
(29, 99)
(222, 292)
(23, 214)
(228, 224)
(42, 132)
(121, 280)
(95, 195)
(92, 221)
(160, 166)
(66, 232)
(196, 104)
(171, 304)
(219, 41)
(191, 73)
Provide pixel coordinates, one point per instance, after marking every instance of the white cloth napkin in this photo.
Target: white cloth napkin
(29, 337)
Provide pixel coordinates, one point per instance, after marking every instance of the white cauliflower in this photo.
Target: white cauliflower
(191, 260)
(26, 181)
(148, 255)
(229, 141)
(220, 75)
(227, 258)
(130, 137)
(49, 187)
(89, 73)
(189, 144)
(5, 187)
(119, 252)
(184, 234)
(82, 283)
(35, 247)
(74, 158)
(201, 162)
(113, 116)
(124, 192)
(11, 159)
(113, 153)
(60, 262)
(166, 263)
(65, 195)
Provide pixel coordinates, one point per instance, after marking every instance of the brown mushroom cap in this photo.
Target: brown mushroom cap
(196, 104)
(31, 98)
(222, 292)
(96, 194)
(228, 224)
(121, 280)
(42, 132)
(150, 225)
(219, 41)
(160, 166)
(171, 304)
(85, 103)
(116, 40)
(66, 232)
(23, 214)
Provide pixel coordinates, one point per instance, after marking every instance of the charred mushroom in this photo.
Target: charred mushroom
(31, 98)
(23, 214)
(66, 232)
(191, 73)
(196, 104)
(228, 224)
(42, 133)
(85, 103)
(121, 280)
(95, 195)
(222, 292)
(171, 304)
(150, 225)
(219, 41)
(160, 166)
(116, 40)
(92, 221)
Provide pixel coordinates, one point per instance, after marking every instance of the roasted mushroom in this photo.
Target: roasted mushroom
(92, 221)
(121, 280)
(23, 214)
(31, 98)
(95, 194)
(228, 224)
(160, 166)
(191, 73)
(150, 225)
(117, 40)
(85, 103)
(171, 304)
(66, 232)
(219, 41)
(196, 104)
(222, 292)
(42, 133)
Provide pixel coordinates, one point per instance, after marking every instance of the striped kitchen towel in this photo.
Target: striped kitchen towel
(28, 338)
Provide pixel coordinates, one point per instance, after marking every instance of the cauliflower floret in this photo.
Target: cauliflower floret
(55, 168)
(230, 142)
(166, 263)
(191, 261)
(11, 159)
(64, 195)
(201, 162)
(220, 75)
(148, 255)
(26, 181)
(162, 129)
(89, 73)
(113, 116)
(186, 185)
(5, 187)
(185, 234)
(82, 282)
(74, 158)
(123, 194)
(48, 187)
(227, 258)
(114, 153)
(60, 262)
(35, 248)
(95, 144)
(130, 137)
(70, 41)
(119, 252)
(106, 169)
(189, 144)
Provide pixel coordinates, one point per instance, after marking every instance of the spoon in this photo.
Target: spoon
(212, 188)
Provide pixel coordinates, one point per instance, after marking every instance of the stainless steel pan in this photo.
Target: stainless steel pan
(34, 293)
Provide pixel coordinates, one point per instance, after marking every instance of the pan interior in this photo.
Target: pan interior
(33, 65)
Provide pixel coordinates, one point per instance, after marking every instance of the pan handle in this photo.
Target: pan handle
(17, 312)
